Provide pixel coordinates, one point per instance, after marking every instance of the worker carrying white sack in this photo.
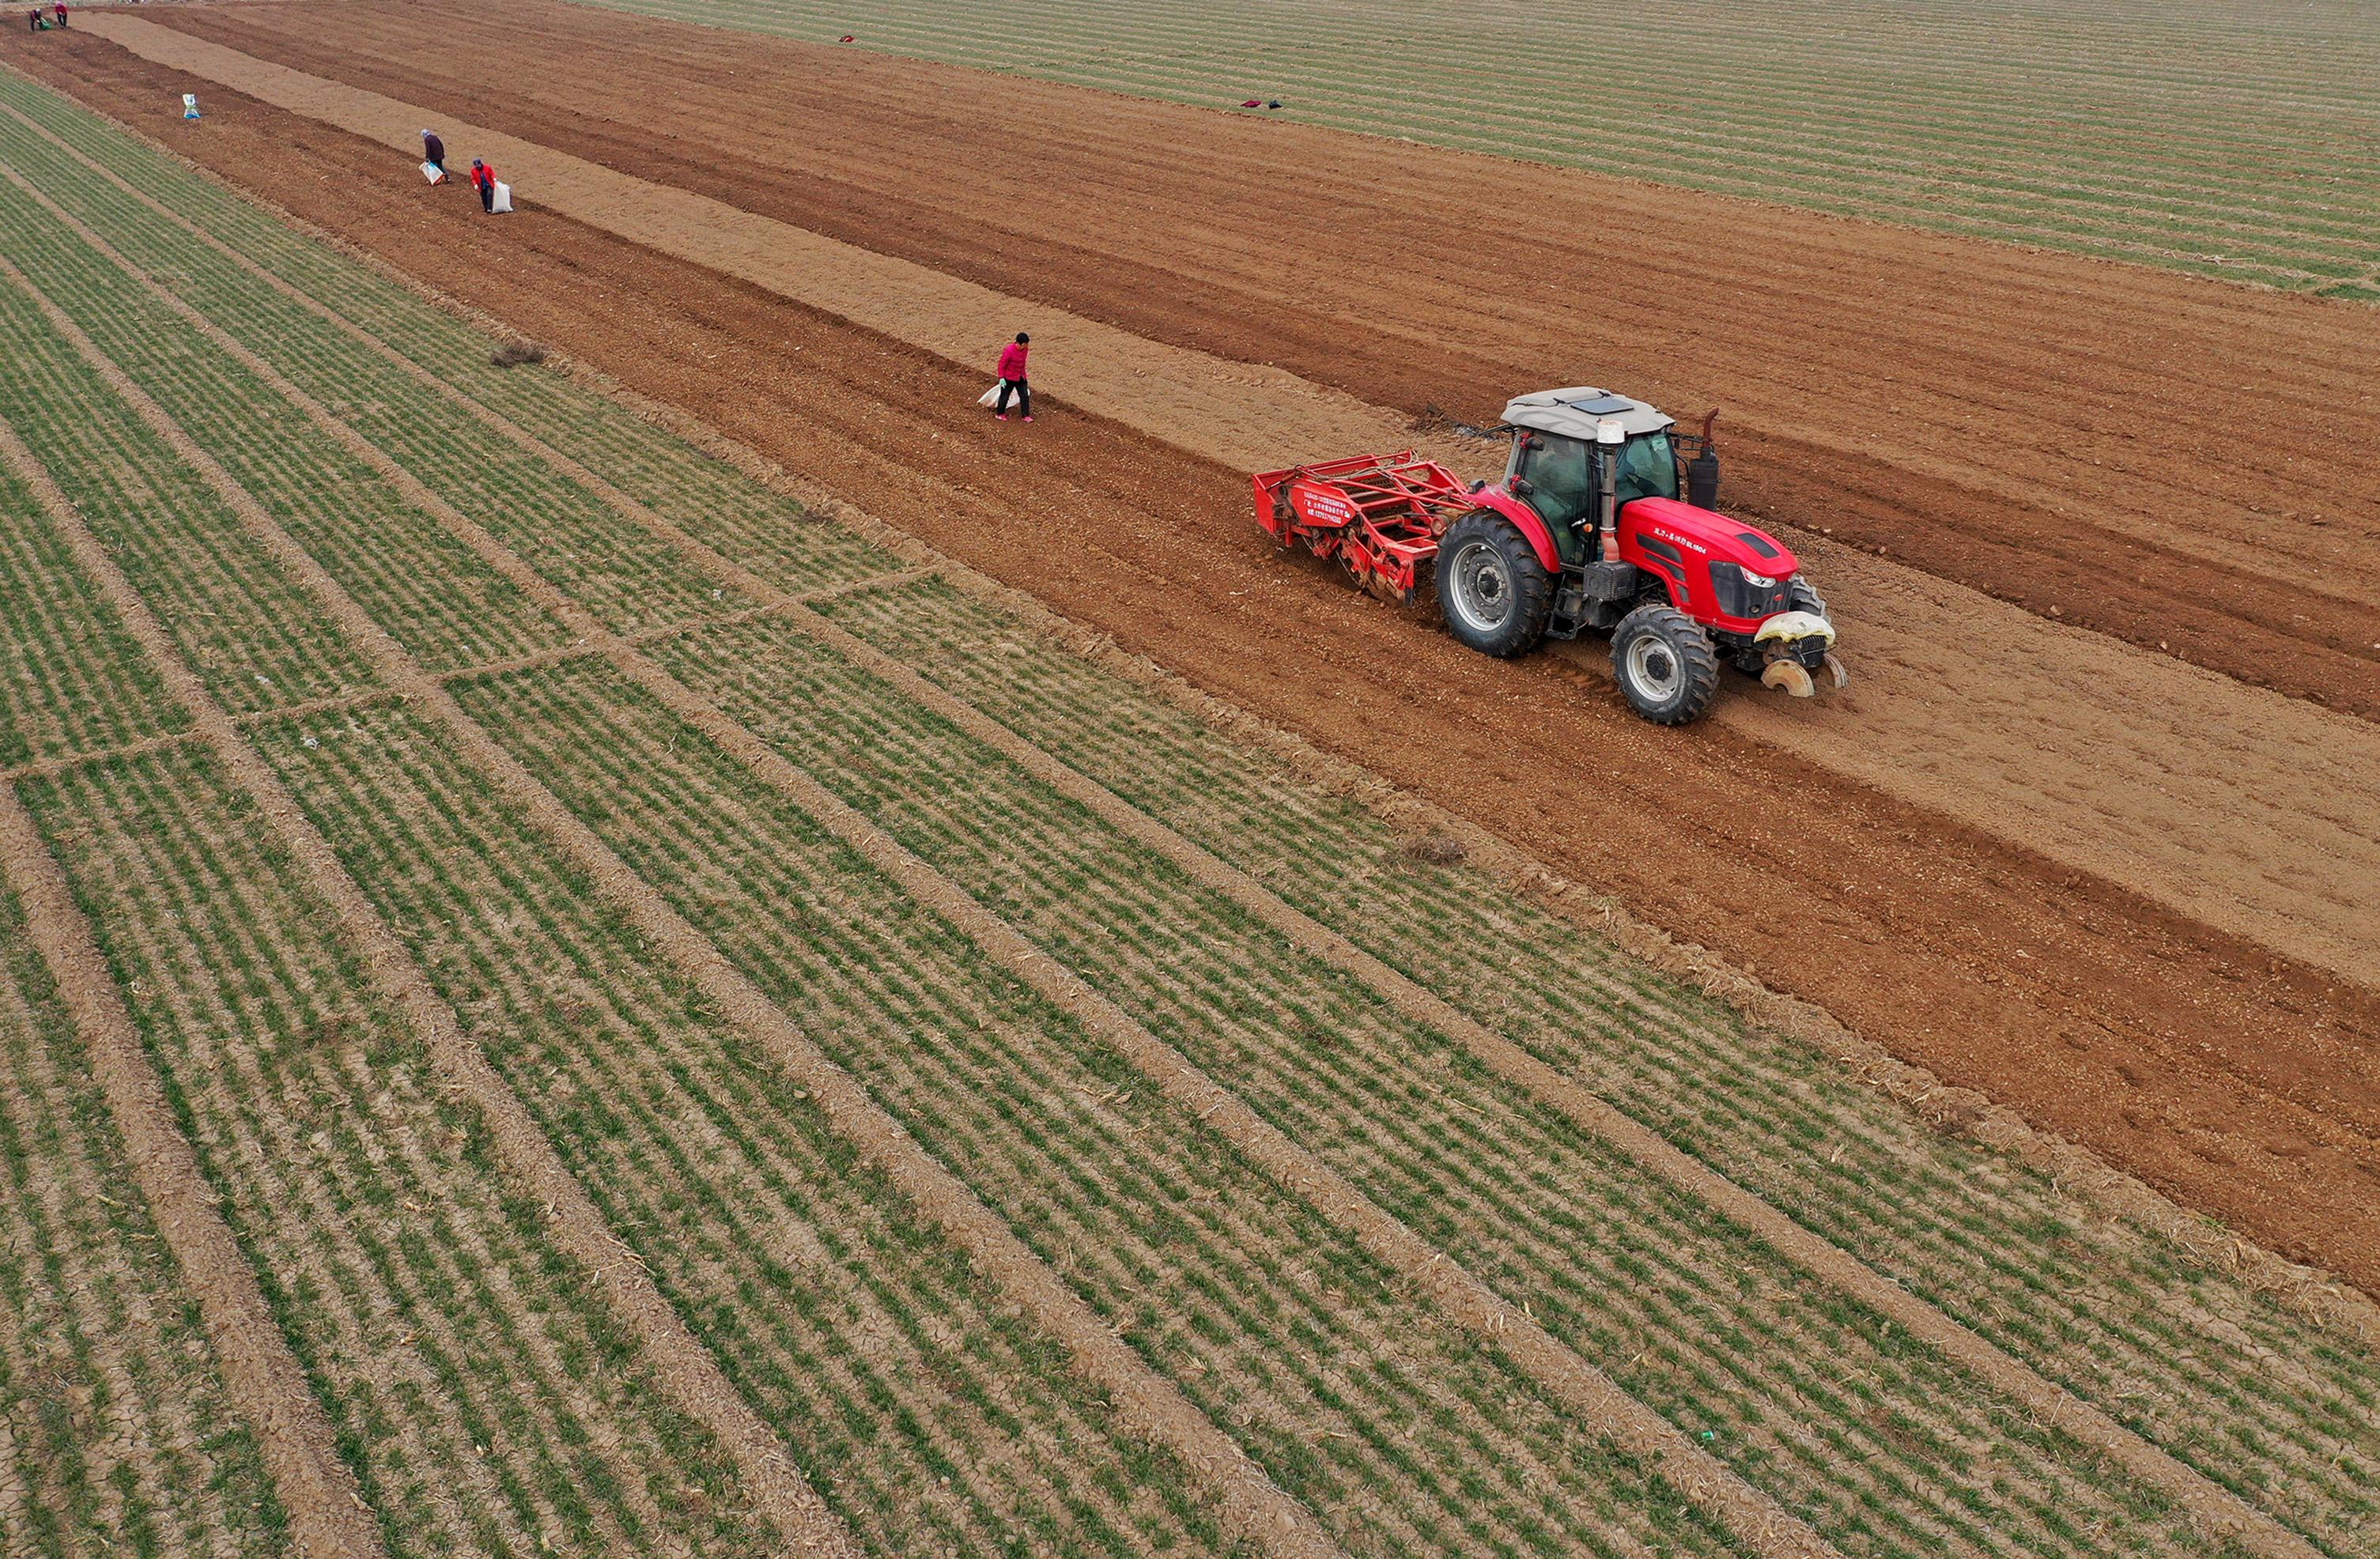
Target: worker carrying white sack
(433, 157)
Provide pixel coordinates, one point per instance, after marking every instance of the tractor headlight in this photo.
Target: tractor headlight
(1743, 593)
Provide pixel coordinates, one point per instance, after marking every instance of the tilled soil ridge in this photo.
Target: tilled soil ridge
(2221, 1074)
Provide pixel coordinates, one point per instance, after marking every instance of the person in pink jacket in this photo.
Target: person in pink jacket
(1012, 376)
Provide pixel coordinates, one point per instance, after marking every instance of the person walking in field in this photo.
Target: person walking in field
(1012, 378)
(433, 150)
(61, 9)
(483, 180)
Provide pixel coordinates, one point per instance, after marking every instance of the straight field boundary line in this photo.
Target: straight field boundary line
(1748, 1512)
(2214, 1506)
(1248, 1500)
(294, 1433)
(2316, 1294)
(685, 1370)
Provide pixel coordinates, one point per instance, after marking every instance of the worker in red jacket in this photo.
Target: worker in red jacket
(61, 9)
(1012, 378)
(483, 180)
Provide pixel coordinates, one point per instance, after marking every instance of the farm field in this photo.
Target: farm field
(2226, 139)
(636, 1006)
(2092, 839)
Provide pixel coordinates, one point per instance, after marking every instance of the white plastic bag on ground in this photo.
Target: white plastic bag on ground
(433, 172)
(989, 397)
(190, 105)
(504, 201)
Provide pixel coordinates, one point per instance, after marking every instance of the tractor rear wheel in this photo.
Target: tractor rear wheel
(1492, 592)
(1666, 665)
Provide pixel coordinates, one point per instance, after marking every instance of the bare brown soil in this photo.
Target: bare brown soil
(2238, 1080)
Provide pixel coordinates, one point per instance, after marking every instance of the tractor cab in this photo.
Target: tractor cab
(1558, 448)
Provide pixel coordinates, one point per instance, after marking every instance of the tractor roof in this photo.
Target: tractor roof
(1575, 412)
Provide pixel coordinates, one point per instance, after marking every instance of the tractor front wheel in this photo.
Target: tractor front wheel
(1492, 592)
(1667, 668)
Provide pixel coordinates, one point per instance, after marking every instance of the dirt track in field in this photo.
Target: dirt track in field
(2225, 1075)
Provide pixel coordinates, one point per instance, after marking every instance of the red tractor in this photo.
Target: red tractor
(1586, 530)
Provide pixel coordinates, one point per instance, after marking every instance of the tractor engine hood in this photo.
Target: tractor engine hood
(1718, 570)
(1706, 534)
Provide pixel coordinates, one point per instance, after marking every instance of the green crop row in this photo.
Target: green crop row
(440, 600)
(2198, 155)
(243, 624)
(75, 681)
(2229, 1381)
(708, 498)
(930, 1415)
(1883, 1447)
(631, 580)
(482, 1397)
(1401, 1432)
(115, 1425)
(1493, 1456)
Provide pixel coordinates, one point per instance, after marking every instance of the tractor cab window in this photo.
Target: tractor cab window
(1560, 473)
(1648, 468)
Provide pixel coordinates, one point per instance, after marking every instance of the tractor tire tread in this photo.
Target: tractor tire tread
(1531, 582)
(1694, 654)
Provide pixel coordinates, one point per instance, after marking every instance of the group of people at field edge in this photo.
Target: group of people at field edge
(37, 21)
(484, 175)
(1013, 384)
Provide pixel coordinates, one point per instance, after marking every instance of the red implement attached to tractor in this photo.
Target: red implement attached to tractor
(1379, 517)
(1587, 530)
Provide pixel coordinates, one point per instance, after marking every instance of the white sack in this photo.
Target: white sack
(989, 397)
(504, 201)
(433, 172)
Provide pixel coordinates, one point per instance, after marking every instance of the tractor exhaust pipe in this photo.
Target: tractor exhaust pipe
(1611, 435)
(1702, 471)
